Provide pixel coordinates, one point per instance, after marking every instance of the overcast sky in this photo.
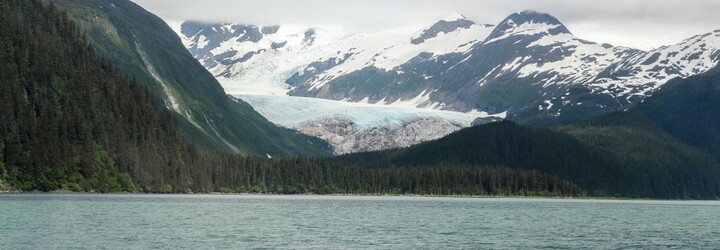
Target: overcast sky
(643, 24)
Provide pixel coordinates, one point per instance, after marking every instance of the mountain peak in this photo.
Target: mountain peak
(528, 22)
(448, 24)
(530, 12)
(454, 17)
(531, 16)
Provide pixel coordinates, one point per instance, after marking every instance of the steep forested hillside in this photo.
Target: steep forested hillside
(67, 118)
(141, 46)
(676, 132)
(605, 160)
(689, 109)
(653, 162)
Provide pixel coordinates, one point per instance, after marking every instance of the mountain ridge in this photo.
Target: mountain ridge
(529, 65)
(527, 22)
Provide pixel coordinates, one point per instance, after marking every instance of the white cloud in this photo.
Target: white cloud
(639, 23)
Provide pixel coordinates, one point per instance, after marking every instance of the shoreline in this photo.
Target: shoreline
(586, 198)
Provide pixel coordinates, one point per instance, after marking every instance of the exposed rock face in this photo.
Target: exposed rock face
(345, 138)
(355, 127)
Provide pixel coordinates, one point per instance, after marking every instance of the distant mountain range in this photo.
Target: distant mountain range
(529, 65)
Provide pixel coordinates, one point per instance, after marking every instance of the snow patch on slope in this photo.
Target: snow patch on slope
(171, 101)
(583, 61)
(232, 147)
(269, 65)
(389, 49)
(453, 17)
(642, 74)
(526, 29)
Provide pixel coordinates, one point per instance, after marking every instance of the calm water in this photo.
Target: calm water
(41, 221)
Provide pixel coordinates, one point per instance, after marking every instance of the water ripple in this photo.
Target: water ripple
(41, 221)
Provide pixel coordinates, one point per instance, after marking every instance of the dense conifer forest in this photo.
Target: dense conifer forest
(614, 158)
(70, 121)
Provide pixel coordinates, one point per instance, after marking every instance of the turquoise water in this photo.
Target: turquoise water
(88, 221)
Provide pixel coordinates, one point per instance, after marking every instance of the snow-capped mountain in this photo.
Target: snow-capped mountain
(529, 65)
(392, 74)
(643, 73)
(259, 63)
(249, 59)
(525, 61)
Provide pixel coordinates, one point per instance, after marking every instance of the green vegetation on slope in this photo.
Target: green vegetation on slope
(64, 112)
(604, 160)
(689, 109)
(676, 132)
(140, 44)
(653, 162)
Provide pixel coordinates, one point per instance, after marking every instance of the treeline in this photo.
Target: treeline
(322, 176)
(69, 120)
(511, 145)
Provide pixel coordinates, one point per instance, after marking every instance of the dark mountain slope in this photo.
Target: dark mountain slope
(604, 160)
(68, 119)
(689, 109)
(143, 47)
(652, 157)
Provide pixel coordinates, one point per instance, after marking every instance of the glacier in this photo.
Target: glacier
(355, 127)
(293, 111)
